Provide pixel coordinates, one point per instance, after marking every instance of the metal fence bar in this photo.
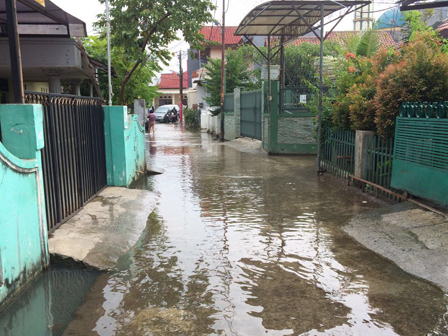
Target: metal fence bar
(73, 159)
(338, 152)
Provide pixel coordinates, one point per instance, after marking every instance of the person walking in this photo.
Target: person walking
(152, 122)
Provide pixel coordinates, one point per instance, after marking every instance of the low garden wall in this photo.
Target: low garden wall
(23, 226)
(296, 134)
(229, 126)
(125, 146)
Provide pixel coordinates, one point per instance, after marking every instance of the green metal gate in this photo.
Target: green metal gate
(420, 164)
(251, 114)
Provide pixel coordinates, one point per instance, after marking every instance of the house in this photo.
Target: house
(50, 54)
(169, 88)
(212, 49)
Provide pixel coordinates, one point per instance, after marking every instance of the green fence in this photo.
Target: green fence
(420, 164)
(251, 114)
(379, 164)
(338, 152)
(229, 103)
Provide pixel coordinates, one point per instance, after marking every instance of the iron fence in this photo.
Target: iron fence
(338, 152)
(73, 159)
(295, 99)
(379, 163)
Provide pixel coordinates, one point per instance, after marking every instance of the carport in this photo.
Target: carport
(33, 18)
(287, 128)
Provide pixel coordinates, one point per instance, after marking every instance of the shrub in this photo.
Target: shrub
(191, 117)
(421, 75)
(361, 107)
(353, 71)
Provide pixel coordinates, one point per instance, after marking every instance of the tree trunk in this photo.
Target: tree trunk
(126, 80)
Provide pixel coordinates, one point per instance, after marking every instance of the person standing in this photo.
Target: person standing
(152, 122)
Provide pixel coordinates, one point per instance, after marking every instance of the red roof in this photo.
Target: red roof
(339, 36)
(172, 81)
(443, 29)
(213, 34)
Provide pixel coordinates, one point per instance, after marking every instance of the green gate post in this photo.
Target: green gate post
(274, 110)
(237, 111)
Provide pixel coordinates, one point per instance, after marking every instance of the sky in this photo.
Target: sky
(236, 10)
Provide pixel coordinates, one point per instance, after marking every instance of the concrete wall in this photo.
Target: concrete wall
(44, 57)
(265, 136)
(23, 226)
(214, 124)
(296, 130)
(229, 127)
(125, 146)
(296, 135)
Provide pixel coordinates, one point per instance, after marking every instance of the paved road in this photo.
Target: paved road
(250, 244)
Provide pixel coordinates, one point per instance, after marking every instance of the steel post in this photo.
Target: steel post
(319, 127)
(14, 51)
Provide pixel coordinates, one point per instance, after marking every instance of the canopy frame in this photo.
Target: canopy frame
(287, 20)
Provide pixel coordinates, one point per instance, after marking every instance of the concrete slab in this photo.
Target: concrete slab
(246, 145)
(104, 230)
(151, 170)
(413, 238)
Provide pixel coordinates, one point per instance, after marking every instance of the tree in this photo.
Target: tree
(237, 74)
(416, 22)
(301, 62)
(142, 30)
(365, 44)
(137, 87)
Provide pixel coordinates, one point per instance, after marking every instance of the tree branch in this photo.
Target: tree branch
(137, 63)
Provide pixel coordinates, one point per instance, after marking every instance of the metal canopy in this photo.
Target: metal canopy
(289, 18)
(407, 5)
(35, 19)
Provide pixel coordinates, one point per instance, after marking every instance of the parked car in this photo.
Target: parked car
(167, 113)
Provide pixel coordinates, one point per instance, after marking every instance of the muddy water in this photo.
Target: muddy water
(245, 244)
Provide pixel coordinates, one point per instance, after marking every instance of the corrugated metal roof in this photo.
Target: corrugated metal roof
(289, 18)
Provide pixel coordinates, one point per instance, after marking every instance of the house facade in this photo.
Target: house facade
(169, 88)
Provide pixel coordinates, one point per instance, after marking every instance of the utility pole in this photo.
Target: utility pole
(14, 51)
(223, 63)
(181, 87)
(109, 66)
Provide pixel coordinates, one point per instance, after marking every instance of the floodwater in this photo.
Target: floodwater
(249, 244)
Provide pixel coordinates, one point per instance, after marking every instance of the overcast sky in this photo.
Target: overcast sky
(87, 10)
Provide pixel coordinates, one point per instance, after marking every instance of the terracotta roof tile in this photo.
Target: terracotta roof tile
(171, 81)
(339, 36)
(213, 34)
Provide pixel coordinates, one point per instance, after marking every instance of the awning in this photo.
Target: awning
(291, 18)
(287, 20)
(37, 20)
(407, 5)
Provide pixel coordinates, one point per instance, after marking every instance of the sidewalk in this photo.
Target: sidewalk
(104, 230)
(414, 239)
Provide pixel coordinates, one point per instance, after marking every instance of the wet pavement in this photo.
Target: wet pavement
(250, 244)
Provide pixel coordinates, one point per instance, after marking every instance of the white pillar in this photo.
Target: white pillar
(55, 84)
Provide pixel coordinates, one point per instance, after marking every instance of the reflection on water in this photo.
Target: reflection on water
(47, 307)
(242, 244)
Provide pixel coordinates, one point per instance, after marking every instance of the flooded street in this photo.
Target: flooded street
(250, 244)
